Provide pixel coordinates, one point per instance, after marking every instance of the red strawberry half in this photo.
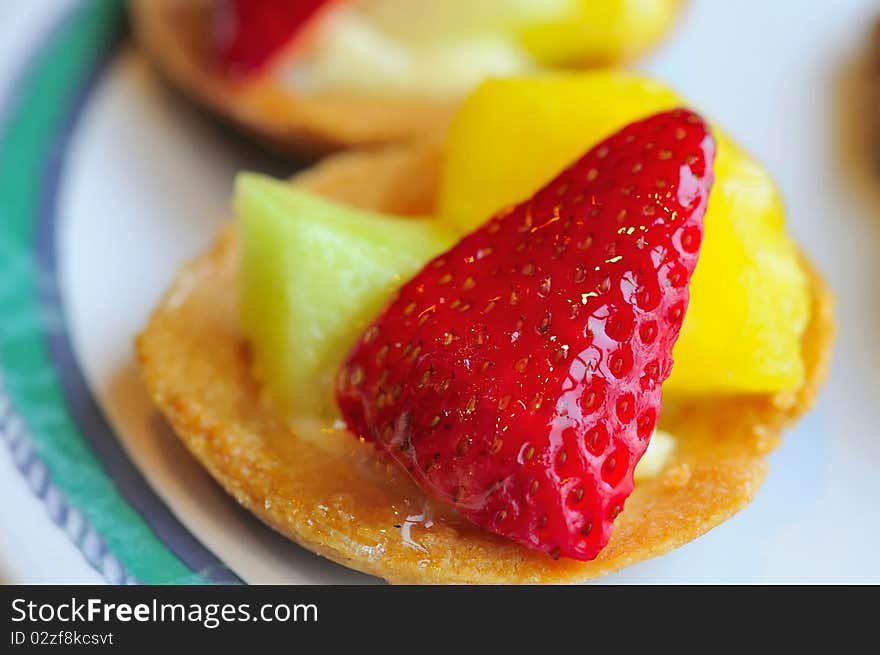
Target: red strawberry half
(517, 376)
(246, 34)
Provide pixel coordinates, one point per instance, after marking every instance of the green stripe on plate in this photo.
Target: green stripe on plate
(32, 127)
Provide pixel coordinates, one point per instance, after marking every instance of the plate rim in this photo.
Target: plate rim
(55, 432)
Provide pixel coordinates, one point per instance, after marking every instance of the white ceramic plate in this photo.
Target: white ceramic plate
(122, 183)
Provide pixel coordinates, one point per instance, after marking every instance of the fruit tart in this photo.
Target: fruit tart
(557, 343)
(317, 75)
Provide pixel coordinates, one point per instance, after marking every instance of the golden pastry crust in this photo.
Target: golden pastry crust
(173, 33)
(350, 506)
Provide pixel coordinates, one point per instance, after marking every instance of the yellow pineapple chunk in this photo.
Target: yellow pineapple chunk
(600, 31)
(749, 295)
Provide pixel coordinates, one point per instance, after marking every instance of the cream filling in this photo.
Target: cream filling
(654, 460)
(363, 50)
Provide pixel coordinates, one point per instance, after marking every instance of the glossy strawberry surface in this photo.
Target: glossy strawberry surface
(246, 34)
(517, 376)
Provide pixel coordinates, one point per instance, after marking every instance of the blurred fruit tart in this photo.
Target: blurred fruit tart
(318, 75)
(444, 363)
